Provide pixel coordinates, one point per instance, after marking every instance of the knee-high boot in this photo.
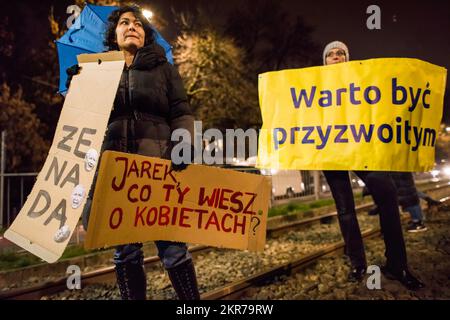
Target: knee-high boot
(184, 281)
(131, 281)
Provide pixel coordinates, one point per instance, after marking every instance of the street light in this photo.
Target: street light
(435, 173)
(148, 14)
(447, 171)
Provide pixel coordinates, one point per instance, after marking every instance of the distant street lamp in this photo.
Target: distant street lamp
(435, 173)
(447, 171)
(148, 14)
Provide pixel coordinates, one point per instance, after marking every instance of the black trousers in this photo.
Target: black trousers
(385, 196)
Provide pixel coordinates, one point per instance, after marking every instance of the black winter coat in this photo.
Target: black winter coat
(406, 189)
(150, 103)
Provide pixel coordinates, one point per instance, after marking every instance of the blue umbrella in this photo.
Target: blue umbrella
(86, 36)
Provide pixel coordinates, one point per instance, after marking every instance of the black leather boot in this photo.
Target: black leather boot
(404, 276)
(356, 274)
(131, 281)
(184, 281)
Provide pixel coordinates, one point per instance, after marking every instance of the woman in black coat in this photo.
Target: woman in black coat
(150, 103)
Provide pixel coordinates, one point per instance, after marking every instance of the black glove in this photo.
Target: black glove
(71, 71)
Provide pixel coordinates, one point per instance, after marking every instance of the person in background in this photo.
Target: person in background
(409, 199)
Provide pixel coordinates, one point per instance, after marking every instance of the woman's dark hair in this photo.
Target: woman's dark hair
(113, 19)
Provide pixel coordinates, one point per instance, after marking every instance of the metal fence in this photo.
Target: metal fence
(16, 187)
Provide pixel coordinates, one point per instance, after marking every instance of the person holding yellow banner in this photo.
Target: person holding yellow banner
(385, 196)
(150, 103)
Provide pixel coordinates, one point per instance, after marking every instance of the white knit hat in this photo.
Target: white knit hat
(335, 45)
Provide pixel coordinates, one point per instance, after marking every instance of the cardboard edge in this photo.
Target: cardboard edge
(106, 56)
(33, 248)
(257, 243)
(91, 238)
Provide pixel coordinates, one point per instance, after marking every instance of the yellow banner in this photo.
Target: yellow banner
(378, 114)
(139, 198)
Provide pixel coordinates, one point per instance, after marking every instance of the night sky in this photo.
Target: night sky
(413, 29)
(416, 29)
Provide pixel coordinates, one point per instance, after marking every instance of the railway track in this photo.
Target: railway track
(231, 291)
(239, 288)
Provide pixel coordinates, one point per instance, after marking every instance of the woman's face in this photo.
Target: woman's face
(335, 56)
(130, 34)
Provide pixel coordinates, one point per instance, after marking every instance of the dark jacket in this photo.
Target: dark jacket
(406, 189)
(150, 103)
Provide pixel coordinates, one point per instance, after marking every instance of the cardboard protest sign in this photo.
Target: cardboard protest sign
(52, 210)
(379, 114)
(140, 198)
